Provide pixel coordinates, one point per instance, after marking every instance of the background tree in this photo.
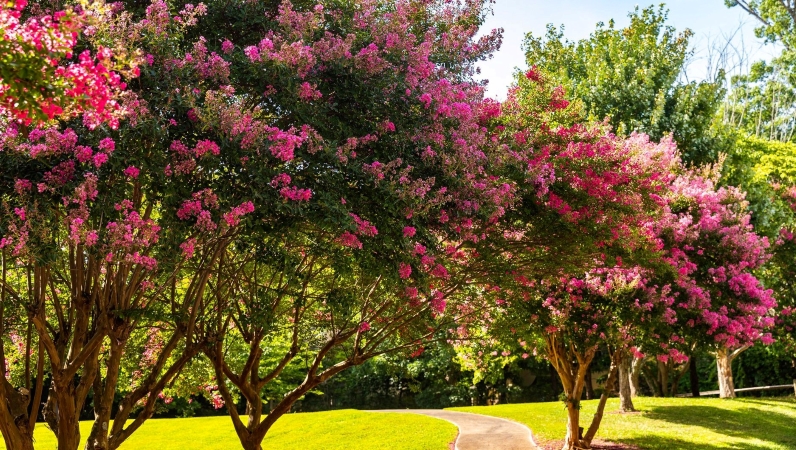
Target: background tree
(776, 17)
(631, 76)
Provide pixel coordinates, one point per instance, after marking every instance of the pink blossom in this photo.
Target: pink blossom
(100, 159)
(232, 218)
(107, 145)
(206, 146)
(309, 92)
(188, 248)
(404, 270)
(349, 240)
(409, 232)
(132, 172)
(295, 194)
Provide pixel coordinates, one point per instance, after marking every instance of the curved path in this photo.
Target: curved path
(477, 432)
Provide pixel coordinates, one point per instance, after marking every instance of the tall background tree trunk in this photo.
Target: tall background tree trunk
(589, 388)
(625, 391)
(635, 377)
(693, 376)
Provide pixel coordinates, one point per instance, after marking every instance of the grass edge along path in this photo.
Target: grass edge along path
(669, 423)
(329, 430)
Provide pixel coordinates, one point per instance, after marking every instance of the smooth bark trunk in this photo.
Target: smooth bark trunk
(635, 377)
(625, 391)
(68, 430)
(663, 378)
(104, 391)
(589, 390)
(724, 373)
(598, 415)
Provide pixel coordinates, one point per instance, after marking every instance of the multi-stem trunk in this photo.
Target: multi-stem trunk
(104, 391)
(609, 386)
(663, 378)
(15, 424)
(574, 431)
(625, 391)
(66, 414)
(571, 367)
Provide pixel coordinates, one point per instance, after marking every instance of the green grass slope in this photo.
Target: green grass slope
(669, 423)
(334, 430)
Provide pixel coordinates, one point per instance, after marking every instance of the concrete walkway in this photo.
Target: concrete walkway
(477, 432)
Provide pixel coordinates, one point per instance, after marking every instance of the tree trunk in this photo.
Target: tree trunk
(625, 391)
(15, 424)
(693, 376)
(663, 378)
(635, 377)
(589, 388)
(793, 363)
(104, 391)
(18, 441)
(574, 431)
(251, 444)
(598, 415)
(724, 372)
(68, 433)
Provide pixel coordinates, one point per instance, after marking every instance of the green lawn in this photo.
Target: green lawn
(335, 430)
(670, 423)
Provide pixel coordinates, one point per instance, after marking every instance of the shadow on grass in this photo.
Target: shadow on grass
(748, 422)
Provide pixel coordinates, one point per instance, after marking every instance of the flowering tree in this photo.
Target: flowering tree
(707, 237)
(39, 76)
(329, 108)
(101, 242)
(555, 263)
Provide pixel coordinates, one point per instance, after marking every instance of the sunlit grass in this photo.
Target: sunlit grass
(334, 430)
(670, 423)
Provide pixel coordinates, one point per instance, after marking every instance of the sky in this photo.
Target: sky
(710, 20)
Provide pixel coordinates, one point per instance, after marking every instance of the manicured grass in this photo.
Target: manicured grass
(334, 430)
(670, 423)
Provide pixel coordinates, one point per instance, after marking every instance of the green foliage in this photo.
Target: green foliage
(762, 168)
(630, 76)
(777, 19)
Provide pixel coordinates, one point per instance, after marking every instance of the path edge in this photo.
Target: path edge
(459, 431)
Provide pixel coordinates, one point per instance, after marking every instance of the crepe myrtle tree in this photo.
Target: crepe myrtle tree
(105, 234)
(720, 304)
(715, 302)
(41, 75)
(355, 132)
(91, 253)
(555, 260)
(292, 313)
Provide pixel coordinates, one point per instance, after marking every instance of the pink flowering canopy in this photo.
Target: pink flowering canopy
(706, 236)
(42, 78)
(337, 149)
